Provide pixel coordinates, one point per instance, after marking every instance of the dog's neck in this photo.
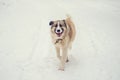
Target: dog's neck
(58, 40)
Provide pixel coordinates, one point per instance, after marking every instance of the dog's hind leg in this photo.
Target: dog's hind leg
(67, 60)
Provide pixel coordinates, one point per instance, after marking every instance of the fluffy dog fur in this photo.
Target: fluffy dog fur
(63, 38)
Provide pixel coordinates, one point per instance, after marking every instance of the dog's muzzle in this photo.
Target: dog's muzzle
(59, 32)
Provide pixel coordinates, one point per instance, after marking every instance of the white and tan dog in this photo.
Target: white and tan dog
(63, 34)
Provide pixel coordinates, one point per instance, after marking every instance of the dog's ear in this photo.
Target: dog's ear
(65, 23)
(51, 23)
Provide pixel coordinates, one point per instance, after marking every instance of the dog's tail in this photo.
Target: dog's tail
(71, 26)
(72, 32)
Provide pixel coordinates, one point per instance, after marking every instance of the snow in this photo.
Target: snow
(26, 51)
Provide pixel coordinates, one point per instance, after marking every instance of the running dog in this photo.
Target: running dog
(63, 34)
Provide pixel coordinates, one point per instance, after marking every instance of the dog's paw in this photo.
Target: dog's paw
(61, 69)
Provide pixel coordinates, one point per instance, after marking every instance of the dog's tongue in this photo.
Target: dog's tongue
(59, 34)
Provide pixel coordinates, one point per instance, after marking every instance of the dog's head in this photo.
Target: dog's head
(58, 28)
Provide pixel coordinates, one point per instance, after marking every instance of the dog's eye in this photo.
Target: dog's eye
(60, 25)
(56, 25)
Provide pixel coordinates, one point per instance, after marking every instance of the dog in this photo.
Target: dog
(63, 34)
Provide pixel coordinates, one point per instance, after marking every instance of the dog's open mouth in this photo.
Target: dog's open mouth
(59, 34)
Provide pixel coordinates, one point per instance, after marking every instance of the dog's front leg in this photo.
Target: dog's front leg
(63, 59)
(58, 53)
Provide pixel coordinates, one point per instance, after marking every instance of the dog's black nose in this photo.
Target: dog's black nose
(58, 30)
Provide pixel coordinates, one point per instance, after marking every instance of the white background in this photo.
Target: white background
(26, 51)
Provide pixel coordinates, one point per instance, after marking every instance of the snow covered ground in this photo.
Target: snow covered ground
(26, 52)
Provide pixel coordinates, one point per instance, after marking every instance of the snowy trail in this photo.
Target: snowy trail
(26, 51)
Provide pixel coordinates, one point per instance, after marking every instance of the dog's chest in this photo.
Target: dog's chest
(59, 42)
